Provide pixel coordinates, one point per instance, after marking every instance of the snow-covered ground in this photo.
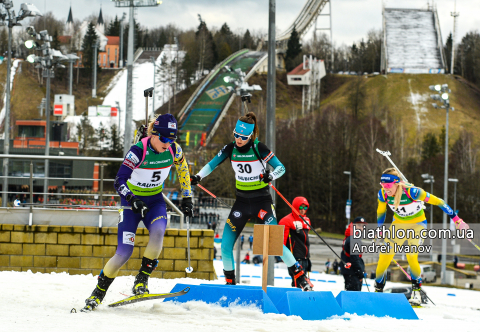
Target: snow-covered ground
(42, 302)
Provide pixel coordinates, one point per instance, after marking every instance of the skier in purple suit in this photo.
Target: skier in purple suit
(139, 183)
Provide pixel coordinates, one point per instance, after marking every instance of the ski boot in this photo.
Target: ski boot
(98, 293)
(230, 277)
(300, 278)
(416, 297)
(140, 285)
(379, 287)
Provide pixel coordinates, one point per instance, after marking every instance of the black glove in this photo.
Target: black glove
(195, 179)
(138, 206)
(187, 206)
(266, 176)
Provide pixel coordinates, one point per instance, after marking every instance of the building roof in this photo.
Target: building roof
(64, 39)
(113, 40)
(31, 123)
(70, 16)
(100, 18)
(299, 70)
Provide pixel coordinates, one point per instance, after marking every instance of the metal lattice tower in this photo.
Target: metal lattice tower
(454, 14)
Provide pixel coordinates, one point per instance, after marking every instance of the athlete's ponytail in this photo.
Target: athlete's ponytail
(251, 118)
(150, 127)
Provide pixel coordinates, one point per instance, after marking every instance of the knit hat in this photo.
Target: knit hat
(165, 125)
(359, 220)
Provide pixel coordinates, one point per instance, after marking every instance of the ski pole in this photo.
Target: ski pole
(347, 265)
(410, 278)
(401, 268)
(217, 198)
(366, 282)
(188, 269)
(476, 246)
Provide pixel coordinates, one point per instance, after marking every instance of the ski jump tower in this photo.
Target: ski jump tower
(412, 42)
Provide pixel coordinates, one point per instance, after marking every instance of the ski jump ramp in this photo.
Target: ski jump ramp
(412, 42)
(304, 20)
(203, 112)
(206, 108)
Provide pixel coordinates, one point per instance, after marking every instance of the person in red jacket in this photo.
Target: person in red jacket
(295, 235)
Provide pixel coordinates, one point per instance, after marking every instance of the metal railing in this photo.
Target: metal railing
(101, 180)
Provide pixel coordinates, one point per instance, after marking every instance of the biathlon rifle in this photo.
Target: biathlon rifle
(142, 131)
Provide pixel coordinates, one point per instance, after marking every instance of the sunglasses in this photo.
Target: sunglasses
(166, 139)
(243, 137)
(387, 185)
(303, 207)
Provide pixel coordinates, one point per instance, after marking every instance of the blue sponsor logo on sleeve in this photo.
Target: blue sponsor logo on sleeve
(414, 193)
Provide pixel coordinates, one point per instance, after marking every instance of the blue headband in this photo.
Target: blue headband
(389, 178)
(243, 128)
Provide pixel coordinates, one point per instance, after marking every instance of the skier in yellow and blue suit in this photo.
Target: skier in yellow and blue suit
(405, 201)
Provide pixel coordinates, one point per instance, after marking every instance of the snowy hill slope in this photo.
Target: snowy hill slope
(143, 79)
(12, 75)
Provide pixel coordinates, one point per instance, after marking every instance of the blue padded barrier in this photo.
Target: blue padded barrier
(224, 296)
(309, 305)
(376, 304)
(274, 293)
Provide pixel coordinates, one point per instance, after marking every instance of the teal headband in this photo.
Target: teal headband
(243, 128)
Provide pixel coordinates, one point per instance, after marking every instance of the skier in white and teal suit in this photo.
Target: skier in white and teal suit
(139, 182)
(249, 158)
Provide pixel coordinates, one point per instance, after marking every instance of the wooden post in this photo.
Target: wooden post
(266, 242)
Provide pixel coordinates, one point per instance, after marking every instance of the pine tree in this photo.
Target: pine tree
(85, 133)
(102, 134)
(430, 146)
(114, 27)
(3, 41)
(188, 69)
(448, 50)
(87, 46)
(224, 52)
(225, 30)
(55, 42)
(162, 40)
(116, 149)
(247, 40)
(294, 48)
(207, 51)
(225, 42)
